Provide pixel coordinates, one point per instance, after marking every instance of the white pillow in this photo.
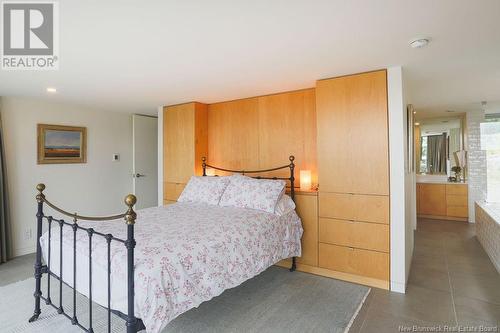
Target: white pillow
(285, 205)
(246, 192)
(204, 189)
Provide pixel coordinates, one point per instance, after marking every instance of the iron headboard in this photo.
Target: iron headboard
(290, 166)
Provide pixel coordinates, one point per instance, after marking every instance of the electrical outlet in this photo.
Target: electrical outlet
(116, 157)
(28, 234)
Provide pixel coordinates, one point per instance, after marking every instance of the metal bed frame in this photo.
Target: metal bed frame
(133, 324)
(291, 179)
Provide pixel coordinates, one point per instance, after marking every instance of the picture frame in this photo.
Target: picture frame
(60, 144)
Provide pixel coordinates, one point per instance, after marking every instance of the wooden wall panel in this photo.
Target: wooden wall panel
(261, 132)
(201, 136)
(178, 143)
(287, 125)
(233, 138)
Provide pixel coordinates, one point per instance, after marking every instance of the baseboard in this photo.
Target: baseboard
(447, 218)
(398, 287)
(23, 251)
(367, 281)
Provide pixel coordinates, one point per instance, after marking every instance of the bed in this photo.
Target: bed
(183, 254)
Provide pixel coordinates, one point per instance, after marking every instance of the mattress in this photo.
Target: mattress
(186, 254)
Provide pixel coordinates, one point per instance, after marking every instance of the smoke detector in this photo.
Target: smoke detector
(419, 42)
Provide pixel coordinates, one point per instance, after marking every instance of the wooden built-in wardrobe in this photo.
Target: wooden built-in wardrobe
(346, 221)
(353, 173)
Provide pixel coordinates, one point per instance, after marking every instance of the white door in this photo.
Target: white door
(145, 150)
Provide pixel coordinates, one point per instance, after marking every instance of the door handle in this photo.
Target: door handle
(138, 175)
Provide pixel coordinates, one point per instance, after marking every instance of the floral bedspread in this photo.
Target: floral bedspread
(185, 254)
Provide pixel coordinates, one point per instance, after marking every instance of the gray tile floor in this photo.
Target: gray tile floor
(452, 282)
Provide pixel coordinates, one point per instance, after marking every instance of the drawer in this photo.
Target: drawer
(354, 261)
(357, 207)
(456, 189)
(369, 236)
(457, 211)
(456, 200)
(172, 191)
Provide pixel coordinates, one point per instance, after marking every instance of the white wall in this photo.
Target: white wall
(94, 188)
(402, 184)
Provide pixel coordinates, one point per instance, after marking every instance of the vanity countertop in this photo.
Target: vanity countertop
(435, 181)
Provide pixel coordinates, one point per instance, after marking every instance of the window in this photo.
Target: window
(490, 142)
(423, 159)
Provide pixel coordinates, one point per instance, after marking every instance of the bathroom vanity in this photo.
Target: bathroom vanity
(442, 200)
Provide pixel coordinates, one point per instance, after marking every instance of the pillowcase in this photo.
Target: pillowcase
(204, 189)
(285, 205)
(246, 192)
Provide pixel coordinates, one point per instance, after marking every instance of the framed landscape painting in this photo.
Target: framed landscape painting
(61, 144)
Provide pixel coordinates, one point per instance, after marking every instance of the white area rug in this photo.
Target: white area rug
(17, 305)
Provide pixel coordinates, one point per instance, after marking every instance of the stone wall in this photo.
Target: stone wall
(488, 230)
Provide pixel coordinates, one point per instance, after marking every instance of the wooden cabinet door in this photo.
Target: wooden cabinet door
(353, 153)
(432, 199)
(333, 122)
(179, 142)
(307, 209)
(418, 198)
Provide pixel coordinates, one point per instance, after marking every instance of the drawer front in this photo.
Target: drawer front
(336, 205)
(457, 211)
(456, 189)
(369, 236)
(357, 207)
(354, 261)
(456, 200)
(172, 191)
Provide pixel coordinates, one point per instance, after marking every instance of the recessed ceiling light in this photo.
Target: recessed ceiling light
(416, 124)
(419, 42)
(51, 90)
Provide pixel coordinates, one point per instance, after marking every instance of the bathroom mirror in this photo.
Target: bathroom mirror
(436, 141)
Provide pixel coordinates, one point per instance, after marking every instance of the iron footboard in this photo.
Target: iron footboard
(133, 324)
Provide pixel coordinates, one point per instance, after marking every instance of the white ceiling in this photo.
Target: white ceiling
(133, 56)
